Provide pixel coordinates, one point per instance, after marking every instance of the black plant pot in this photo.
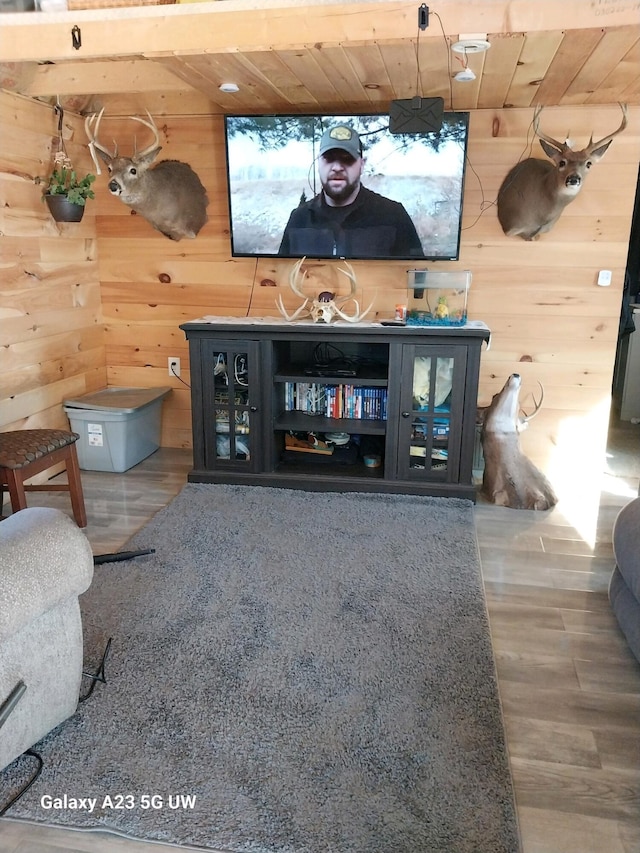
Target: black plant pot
(64, 210)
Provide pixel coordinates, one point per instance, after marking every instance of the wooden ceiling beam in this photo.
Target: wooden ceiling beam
(102, 78)
(236, 25)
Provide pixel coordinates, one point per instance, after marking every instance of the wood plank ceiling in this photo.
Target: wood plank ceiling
(279, 67)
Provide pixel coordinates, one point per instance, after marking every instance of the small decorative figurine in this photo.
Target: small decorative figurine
(442, 310)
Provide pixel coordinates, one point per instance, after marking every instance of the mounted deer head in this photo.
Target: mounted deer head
(169, 195)
(510, 478)
(535, 192)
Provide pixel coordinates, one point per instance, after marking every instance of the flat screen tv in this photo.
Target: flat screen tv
(273, 162)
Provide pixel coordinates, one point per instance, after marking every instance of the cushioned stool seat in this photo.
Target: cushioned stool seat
(624, 588)
(26, 452)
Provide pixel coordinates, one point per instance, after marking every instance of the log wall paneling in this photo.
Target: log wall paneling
(50, 304)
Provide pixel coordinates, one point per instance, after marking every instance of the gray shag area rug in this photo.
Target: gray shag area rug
(291, 672)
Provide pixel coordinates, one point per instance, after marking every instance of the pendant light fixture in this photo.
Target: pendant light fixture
(466, 46)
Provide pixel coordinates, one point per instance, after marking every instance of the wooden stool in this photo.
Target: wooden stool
(26, 452)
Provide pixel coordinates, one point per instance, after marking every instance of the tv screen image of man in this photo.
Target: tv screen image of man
(345, 219)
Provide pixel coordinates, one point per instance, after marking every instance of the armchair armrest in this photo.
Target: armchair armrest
(626, 544)
(46, 559)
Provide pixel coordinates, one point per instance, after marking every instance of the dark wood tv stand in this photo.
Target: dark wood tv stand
(412, 404)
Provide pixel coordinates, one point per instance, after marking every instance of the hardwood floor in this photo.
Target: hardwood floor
(569, 685)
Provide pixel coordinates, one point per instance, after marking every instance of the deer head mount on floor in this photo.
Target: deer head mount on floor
(535, 192)
(168, 195)
(510, 478)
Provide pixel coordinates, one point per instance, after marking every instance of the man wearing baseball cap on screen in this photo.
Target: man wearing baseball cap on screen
(346, 219)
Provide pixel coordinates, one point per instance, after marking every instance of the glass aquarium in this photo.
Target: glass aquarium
(437, 298)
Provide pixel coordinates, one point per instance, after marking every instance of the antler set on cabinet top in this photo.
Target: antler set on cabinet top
(326, 306)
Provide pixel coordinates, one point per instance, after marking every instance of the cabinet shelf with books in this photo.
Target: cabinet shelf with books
(341, 401)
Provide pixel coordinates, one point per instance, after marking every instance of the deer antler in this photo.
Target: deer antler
(92, 126)
(536, 130)
(593, 145)
(152, 127)
(537, 404)
(294, 275)
(354, 318)
(94, 143)
(351, 275)
(296, 313)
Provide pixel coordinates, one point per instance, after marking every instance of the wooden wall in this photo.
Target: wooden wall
(549, 319)
(51, 333)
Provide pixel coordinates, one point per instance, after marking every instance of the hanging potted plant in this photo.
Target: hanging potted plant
(65, 193)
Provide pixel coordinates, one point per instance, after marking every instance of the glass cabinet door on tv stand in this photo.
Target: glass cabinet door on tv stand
(231, 405)
(431, 403)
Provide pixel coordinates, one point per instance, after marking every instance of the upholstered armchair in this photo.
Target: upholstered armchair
(624, 586)
(46, 562)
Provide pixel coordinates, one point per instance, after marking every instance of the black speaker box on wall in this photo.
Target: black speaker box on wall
(416, 115)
